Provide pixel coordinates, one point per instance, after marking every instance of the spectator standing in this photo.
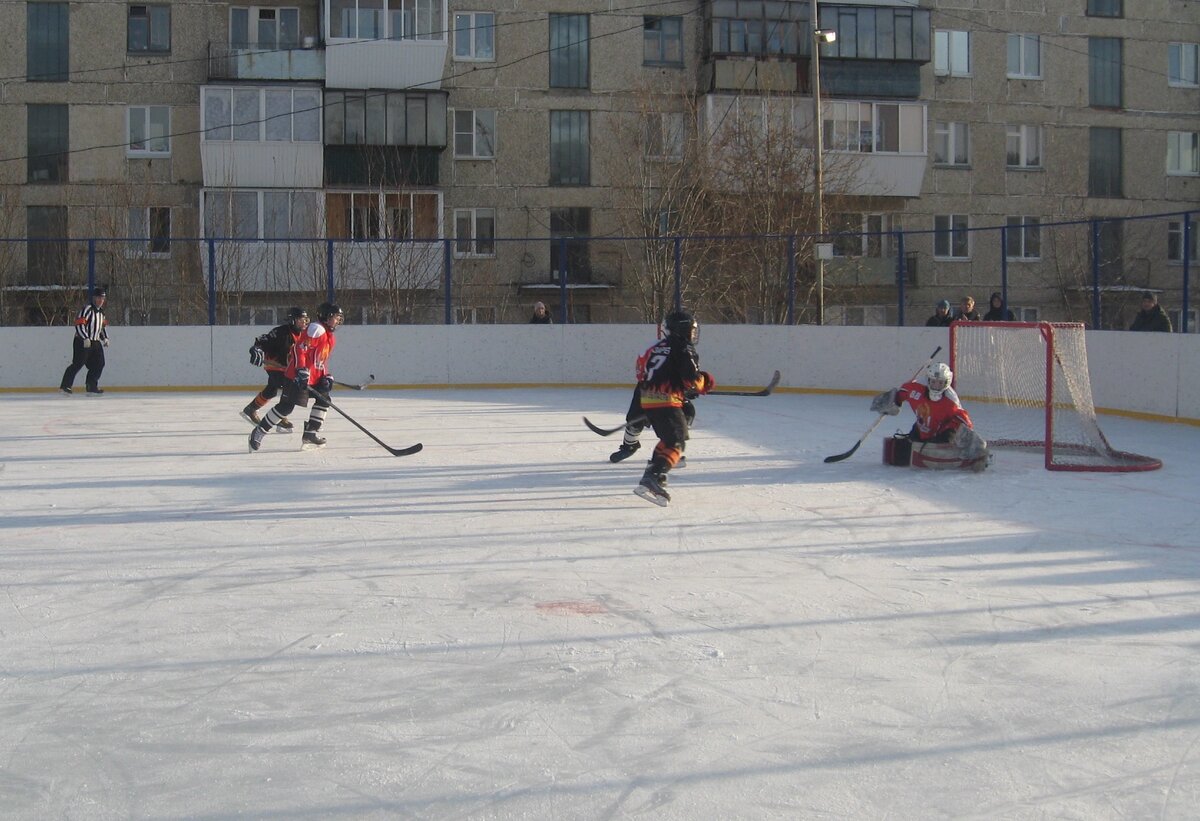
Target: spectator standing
(1152, 317)
(91, 338)
(540, 315)
(966, 309)
(941, 317)
(997, 312)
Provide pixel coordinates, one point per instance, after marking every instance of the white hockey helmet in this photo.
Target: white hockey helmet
(938, 376)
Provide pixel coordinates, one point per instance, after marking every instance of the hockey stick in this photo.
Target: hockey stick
(761, 392)
(360, 387)
(843, 456)
(408, 451)
(641, 420)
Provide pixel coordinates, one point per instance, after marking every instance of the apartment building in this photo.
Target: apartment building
(372, 145)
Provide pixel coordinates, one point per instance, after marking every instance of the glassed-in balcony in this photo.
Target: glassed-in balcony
(254, 62)
(385, 43)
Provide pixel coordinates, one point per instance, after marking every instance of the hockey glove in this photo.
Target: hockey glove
(886, 403)
(325, 384)
(104, 342)
(302, 381)
(257, 357)
(709, 382)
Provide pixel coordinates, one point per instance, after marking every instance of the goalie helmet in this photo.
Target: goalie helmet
(938, 376)
(683, 325)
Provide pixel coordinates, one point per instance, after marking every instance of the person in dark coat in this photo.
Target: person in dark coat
(941, 317)
(997, 312)
(1152, 317)
(540, 315)
(967, 310)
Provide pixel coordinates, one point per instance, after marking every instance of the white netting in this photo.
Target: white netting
(1001, 374)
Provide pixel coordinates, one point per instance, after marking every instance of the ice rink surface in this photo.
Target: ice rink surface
(498, 628)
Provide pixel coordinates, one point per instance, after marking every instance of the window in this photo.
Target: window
(1025, 56)
(375, 215)
(264, 28)
(1104, 72)
(261, 114)
(1104, 8)
(474, 232)
(664, 135)
(47, 147)
(150, 228)
(1182, 59)
(46, 261)
(569, 252)
(1183, 153)
(951, 239)
(952, 143)
(1023, 146)
(568, 51)
(1024, 314)
(393, 118)
(231, 214)
(1023, 239)
(474, 35)
(952, 53)
(475, 133)
(475, 316)
(1176, 317)
(864, 235)
(291, 214)
(1104, 162)
(47, 39)
(386, 19)
(886, 128)
(570, 160)
(868, 33)
(149, 29)
(149, 132)
(1175, 241)
(662, 41)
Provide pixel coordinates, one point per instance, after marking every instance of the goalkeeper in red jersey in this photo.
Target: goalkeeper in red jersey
(943, 435)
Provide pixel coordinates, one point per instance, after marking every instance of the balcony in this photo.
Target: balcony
(226, 62)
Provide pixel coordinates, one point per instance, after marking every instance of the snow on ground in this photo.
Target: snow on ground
(498, 628)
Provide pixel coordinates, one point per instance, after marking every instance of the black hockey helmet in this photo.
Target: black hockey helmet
(296, 313)
(329, 309)
(683, 325)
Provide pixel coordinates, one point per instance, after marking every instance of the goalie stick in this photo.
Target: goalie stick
(362, 386)
(641, 420)
(408, 451)
(843, 456)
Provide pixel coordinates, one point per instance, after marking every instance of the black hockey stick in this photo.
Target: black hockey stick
(842, 456)
(761, 392)
(359, 387)
(641, 420)
(408, 451)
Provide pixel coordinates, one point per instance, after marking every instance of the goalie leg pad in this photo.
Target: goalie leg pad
(946, 456)
(970, 443)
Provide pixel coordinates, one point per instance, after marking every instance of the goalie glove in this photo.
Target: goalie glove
(886, 403)
(257, 357)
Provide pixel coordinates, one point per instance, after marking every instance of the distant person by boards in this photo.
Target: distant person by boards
(540, 315)
(996, 310)
(87, 347)
(270, 352)
(943, 436)
(1152, 317)
(941, 316)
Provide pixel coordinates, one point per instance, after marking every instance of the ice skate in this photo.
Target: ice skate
(651, 489)
(624, 452)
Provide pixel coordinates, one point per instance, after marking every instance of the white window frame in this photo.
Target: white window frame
(852, 127)
(876, 240)
(482, 121)
(254, 16)
(1183, 153)
(1176, 317)
(392, 20)
(952, 133)
(1028, 232)
(466, 36)
(313, 110)
(1024, 314)
(951, 53)
(468, 247)
(141, 214)
(1026, 136)
(665, 135)
(1025, 43)
(1175, 242)
(475, 315)
(1187, 57)
(945, 229)
(143, 113)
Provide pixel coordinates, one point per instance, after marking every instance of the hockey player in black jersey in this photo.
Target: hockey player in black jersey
(270, 352)
(668, 372)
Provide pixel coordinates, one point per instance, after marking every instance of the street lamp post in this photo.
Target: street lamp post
(818, 38)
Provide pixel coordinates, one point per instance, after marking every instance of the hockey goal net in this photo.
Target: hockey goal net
(1026, 385)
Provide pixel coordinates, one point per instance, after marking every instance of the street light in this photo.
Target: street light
(819, 36)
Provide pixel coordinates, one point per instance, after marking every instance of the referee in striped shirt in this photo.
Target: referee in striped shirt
(91, 338)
